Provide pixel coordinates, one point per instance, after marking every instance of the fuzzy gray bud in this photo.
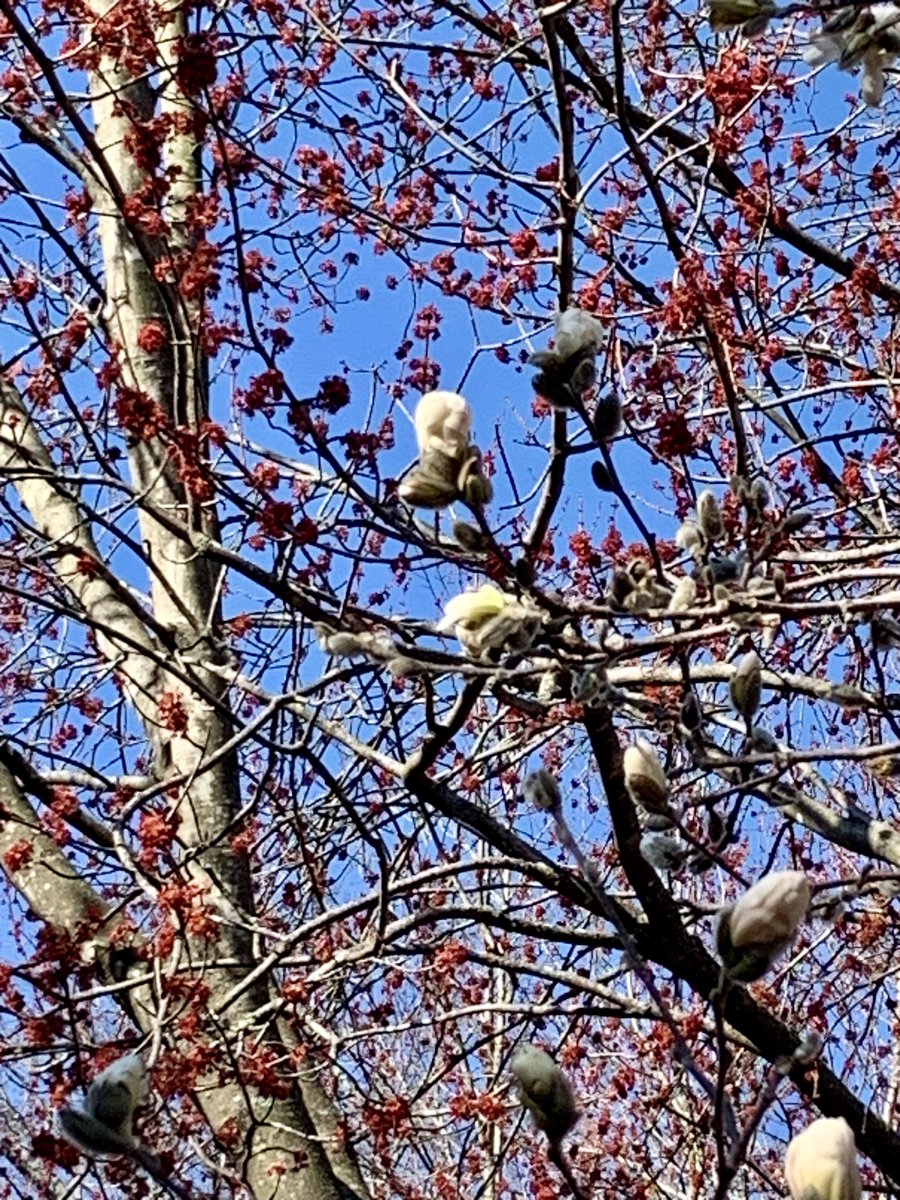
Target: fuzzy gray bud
(709, 516)
(542, 790)
(545, 1091)
(690, 539)
(746, 684)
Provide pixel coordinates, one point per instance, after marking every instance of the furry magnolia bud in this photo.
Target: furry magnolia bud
(820, 1163)
(544, 1091)
(690, 539)
(684, 596)
(746, 685)
(577, 331)
(473, 608)
(709, 516)
(751, 15)
(663, 851)
(645, 778)
(542, 790)
(759, 497)
(432, 483)
(468, 537)
(443, 422)
(607, 418)
(796, 521)
(104, 1126)
(754, 932)
(474, 486)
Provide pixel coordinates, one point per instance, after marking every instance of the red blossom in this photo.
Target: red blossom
(172, 713)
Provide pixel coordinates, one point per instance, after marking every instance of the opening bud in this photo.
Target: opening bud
(443, 422)
(820, 1163)
(645, 778)
(754, 932)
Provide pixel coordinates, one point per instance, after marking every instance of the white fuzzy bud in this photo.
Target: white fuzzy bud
(545, 1091)
(443, 422)
(684, 596)
(690, 539)
(104, 1126)
(820, 1163)
(645, 778)
(576, 330)
(709, 516)
(746, 684)
(754, 932)
(542, 790)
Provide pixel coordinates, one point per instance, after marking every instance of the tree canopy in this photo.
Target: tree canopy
(382, 770)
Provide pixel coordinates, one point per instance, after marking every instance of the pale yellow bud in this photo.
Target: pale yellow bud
(820, 1163)
(443, 422)
(473, 608)
(544, 1091)
(645, 778)
(762, 924)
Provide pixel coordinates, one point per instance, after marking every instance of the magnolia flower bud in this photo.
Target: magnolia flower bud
(472, 482)
(662, 851)
(477, 489)
(544, 1091)
(820, 1163)
(684, 596)
(759, 496)
(709, 516)
(403, 667)
(514, 629)
(338, 643)
(796, 521)
(576, 331)
(752, 15)
(645, 778)
(104, 1126)
(754, 932)
(473, 608)
(468, 537)
(443, 421)
(542, 790)
(602, 478)
(746, 684)
(432, 483)
(607, 420)
(690, 539)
